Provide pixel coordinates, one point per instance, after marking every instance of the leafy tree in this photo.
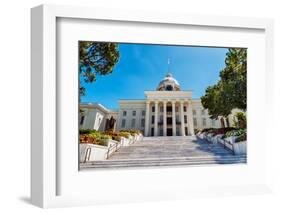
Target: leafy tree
(231, 90)
(241, 120)
(234, 78)
(214, 101)
(96, 58)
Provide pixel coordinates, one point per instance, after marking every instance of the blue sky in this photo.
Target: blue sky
(141, 67)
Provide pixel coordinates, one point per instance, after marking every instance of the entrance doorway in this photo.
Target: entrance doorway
(169, 132)
(152, 131)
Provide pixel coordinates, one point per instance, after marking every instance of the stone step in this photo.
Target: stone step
(197, 159)
(155, 144)
(128, 149)
(140, 157)
(168, 151)
(157, 155)
(171, 145)
(143, 151)
(125, 164)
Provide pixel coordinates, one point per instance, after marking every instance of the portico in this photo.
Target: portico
(168, 117)
(168, 110)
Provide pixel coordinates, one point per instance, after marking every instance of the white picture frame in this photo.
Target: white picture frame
(44, 154)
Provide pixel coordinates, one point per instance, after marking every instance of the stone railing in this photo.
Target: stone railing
(238, 148)
(93, 152)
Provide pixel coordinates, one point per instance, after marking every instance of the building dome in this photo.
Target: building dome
(168, 84)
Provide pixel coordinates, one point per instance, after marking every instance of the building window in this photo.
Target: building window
(82, 120)
(177, 118)
(184, 108)
(161, 133)
(161, 108)
(153, 109)
(123, 124)
(177, 108)
(124, 113)
(169, 120)
(134, 113)
(185, 119)
(178, 131)
(161, 118)
(202, 112)
(169, 108)
(133, 122)
(204, 121)
(143, 113)
(213, 122)
(142, 122)
(194, 112)
(152, 119)
(195, 121)
(186, 131)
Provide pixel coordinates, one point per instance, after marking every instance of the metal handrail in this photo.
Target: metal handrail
(88, 154)
(111, 147)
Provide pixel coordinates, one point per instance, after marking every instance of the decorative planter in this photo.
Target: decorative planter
(225, 143)
(131, 139)
(92, 152)
(216, 138)
(220, 140)
(112, 144)
(209, 137)
(125, 141)
(240, 148)
(231, 139)
(201, 135)
(204, 135)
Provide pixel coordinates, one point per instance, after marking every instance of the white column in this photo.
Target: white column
(190, 119)
(164, 118)
(182, 119)
(174, 118)
(146, 131)
(156, 119)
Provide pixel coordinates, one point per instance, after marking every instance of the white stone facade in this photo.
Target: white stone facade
(167, 111)
(93, 116)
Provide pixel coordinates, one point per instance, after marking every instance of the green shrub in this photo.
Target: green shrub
(242, 137)
(87, 131)
(237, 132)
(105, 137)
(97, 137)
(196, 131)
(124, 134)
(241, 120)
(132, 131)
(114, 135)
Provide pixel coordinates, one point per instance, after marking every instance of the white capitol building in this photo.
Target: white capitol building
(167, 111)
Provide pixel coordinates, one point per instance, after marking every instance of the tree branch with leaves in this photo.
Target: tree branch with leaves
(231, 90)
(96, 58)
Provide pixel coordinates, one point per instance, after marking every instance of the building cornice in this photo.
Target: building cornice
(98, 106)
(131, 101)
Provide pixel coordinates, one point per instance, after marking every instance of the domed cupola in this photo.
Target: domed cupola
(168, 84)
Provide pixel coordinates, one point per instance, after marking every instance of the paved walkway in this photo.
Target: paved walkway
(168, 151)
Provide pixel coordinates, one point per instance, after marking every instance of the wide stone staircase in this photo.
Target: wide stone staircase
(168, 151)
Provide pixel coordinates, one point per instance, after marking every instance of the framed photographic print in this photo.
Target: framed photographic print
(147, 105)
(169, 126)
